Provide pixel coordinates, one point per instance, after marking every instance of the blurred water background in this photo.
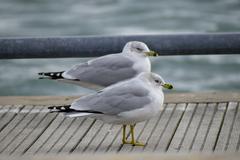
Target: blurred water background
(119, 17)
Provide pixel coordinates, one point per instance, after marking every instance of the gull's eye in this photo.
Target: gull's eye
(139, 49)
(157, 81)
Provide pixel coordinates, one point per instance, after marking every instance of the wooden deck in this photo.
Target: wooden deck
(189, 123)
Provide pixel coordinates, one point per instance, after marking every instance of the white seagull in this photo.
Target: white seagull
(127, 103)
(107, 70)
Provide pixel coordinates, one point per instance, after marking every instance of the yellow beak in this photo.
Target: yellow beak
(151, 53)
(168, 86)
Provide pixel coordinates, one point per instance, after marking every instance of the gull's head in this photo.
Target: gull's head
(156, 80)
(138, 48)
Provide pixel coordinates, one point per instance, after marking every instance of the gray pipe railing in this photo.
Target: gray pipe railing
(177, 44)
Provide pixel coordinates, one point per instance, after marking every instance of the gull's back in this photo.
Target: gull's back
(103, 71)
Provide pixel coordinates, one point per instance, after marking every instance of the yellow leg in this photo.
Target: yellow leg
(132, 142)
(124, 139)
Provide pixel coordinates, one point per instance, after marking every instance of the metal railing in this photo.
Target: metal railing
(92, 46)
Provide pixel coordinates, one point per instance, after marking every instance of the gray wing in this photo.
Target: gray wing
(115, 100)
(104, 71)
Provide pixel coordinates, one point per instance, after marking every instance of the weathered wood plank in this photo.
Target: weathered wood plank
(133, 156)
(5, 116)
(55, 136)
(116, 143)
(225, 133)
(146, 133)
(28, 129)
(33, 117)
(234, 138)
(110, 140)
(182, 128)
(36, 133)
(136, 156)
(215, 128)
(204, 128)
(238, 145)
(88, 138)
(3, 110)
(73, 142)
(12, 124)
(18, 129)
(46, 135)
(193, 128)
(99, 138)
(171, 128)
(68, 134)
(161, 126)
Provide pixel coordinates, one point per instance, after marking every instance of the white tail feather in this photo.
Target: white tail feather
(72, 115)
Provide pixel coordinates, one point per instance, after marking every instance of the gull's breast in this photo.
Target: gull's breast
(134, 116)
(142, 64)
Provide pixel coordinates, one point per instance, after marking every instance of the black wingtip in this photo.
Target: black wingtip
(40, 73)
(51, 75)
(51, 107)
(66, 107)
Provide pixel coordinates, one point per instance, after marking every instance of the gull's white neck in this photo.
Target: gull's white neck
(156, 93)
(141, 62)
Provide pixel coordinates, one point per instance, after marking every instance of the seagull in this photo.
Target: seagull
(106, 70)
(127, 103)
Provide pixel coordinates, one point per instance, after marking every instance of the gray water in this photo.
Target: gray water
(120, 17)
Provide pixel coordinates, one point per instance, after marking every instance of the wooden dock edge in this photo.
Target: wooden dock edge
(145, 156)
(197, 97)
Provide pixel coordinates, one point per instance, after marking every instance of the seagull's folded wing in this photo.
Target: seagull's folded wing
(115, 100)
(103, 71)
